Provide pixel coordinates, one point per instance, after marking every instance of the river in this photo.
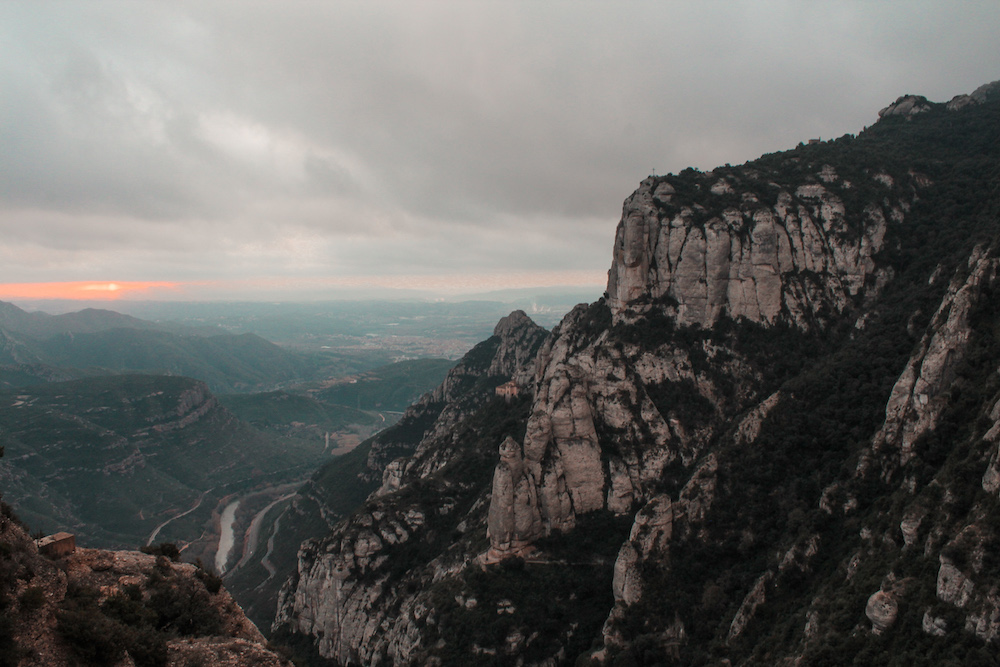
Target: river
(227, 537)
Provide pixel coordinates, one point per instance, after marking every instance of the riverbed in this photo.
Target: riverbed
(227, 538)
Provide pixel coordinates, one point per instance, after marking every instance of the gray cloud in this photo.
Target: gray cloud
(192, 140)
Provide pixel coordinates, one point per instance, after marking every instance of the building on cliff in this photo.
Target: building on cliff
(57, 545)
(508, 390)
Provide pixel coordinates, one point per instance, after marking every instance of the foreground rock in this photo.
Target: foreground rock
(118, 608)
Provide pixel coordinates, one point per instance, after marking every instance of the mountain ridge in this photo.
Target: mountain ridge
(722, 400)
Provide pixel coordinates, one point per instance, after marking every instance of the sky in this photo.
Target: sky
(300, 150)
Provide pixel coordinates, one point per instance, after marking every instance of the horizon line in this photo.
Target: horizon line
(268, 289)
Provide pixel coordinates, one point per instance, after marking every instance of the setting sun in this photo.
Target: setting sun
(84, 290)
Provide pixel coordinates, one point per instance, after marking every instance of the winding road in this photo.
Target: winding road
(253, 531)
(157, 530)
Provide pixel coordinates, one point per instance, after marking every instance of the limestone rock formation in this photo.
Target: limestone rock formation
(776, 409)
(953, 586)
(343, 589)
(340, 585)
(514, 516)
(907, 105)
(882, 610)
(734, 256)
(918, 397)
(754, 599)
(978, 96)
(508, 355)
(95, 605)
(933, 626)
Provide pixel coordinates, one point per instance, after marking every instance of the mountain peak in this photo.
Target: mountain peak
(906, 105)
(516, 320)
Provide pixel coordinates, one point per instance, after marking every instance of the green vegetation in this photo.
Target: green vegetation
(99, 633)
(834, 384)
(115, 455)
(294, 414)
(225, 362)
(14, 566)
(167, 549)
(391, 387)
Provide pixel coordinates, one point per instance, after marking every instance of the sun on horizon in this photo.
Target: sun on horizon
(80, 290)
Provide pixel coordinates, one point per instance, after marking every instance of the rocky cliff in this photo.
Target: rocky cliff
(715, 244)
(112, 608)
(440, 451)
(774, 439)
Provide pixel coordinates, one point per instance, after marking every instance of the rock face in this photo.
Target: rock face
(776, 409)
(340, 588)
(918, 397)
(508, 355)
(514, 517)
(344, 589)
(729, 254)
(75, 610)
(907, 105)
(882, 610)
(796, 262)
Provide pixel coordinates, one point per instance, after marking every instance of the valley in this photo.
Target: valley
(772, 440)
(144, 457)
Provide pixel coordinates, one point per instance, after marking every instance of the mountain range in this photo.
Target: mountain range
(774, 440)
(36, 347)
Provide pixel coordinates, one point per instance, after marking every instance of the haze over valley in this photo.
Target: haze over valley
(330, 334)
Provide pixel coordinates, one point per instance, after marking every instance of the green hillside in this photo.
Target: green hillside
(390, 387)
(225, 362)
(294, 414)
(112, 458)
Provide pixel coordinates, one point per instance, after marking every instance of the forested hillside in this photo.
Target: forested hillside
(775, 438)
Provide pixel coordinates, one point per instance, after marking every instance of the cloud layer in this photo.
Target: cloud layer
(246, 141)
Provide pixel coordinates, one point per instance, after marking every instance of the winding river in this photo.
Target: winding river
(227, 537)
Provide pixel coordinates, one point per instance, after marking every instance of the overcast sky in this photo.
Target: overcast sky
(265, 149)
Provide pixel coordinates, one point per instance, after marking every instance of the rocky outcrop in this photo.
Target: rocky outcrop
(748, 608)
(514, 516)
(797, 261)
(882, 610)
(520, 340)
(508, 355)
(732, 255)
(192, 405)
(340, 588)
(920, 394)
(953, 586)
(725, 400)
(649, 541)
(594, 440)
(95, 605)
(346, 590)
(906, 105)
(979, 96)
(649, 537)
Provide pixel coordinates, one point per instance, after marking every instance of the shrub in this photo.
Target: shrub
(32, 598)
(168, 549)
(213, 582)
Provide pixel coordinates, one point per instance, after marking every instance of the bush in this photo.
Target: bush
(168, 549)
(100, 634)
(213, 582)
(32, 598)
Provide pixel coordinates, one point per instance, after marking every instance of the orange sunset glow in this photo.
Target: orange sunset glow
(89, 290)
(293, 288)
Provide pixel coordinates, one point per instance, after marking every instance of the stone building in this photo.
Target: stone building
(508, 390)
(57, 545)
